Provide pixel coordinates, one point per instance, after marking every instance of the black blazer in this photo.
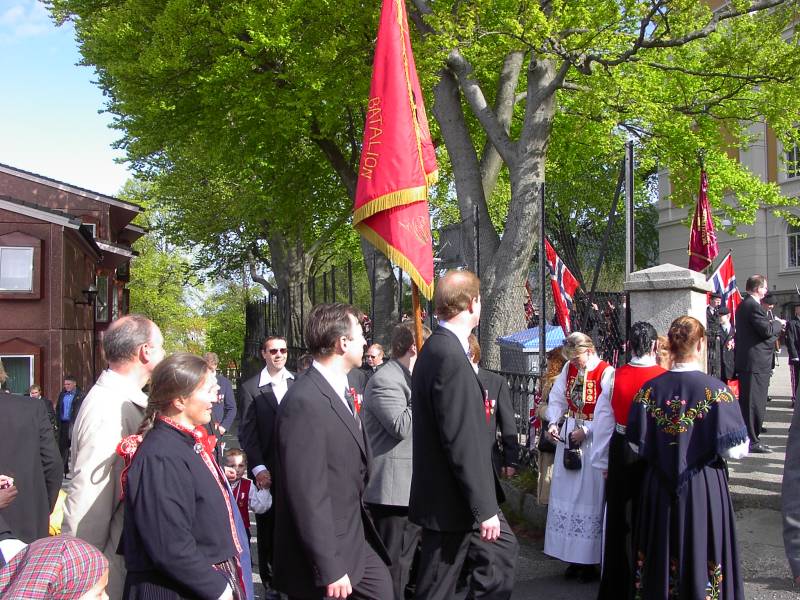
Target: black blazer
(727, 358)
(176, 519)
(321, 526)
(453, 485)
(793, 338)
(755, 337)
(257, 427)
(29, 454)
(503, 417)
(73, 409)
(224, 412)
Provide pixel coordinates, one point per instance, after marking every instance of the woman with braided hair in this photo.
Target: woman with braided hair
(180, 537)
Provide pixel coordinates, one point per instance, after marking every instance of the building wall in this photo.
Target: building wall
(52, 328)
(758, 248)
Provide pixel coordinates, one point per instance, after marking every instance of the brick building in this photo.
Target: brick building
(64, 260)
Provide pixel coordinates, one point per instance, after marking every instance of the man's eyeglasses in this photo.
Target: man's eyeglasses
(274, 351)
(372, 356)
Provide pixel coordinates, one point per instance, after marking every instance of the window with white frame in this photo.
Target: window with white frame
(19, 370)
(792, 158)
(16, 269)
(793, 239)
(101, 306)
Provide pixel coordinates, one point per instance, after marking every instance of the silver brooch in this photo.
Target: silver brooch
(198, 447)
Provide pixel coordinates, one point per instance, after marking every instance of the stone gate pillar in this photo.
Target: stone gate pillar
(662, 293)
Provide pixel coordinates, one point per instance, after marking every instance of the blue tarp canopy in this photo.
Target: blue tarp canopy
(527, 340)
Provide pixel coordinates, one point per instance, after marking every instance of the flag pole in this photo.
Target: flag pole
(417, 310)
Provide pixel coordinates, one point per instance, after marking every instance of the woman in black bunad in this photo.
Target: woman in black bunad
(180, 538)
(684, 424)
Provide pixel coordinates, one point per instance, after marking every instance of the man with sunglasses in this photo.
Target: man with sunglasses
(261, 396)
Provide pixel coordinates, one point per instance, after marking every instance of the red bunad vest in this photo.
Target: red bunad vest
(241, 491)
(591, 389)
(628, 380)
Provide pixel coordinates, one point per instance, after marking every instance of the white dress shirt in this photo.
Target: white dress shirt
(280, 382)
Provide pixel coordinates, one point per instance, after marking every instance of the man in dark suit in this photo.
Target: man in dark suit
(755, 340)
(261, 395)
(386, 415)
(29, 455)
(727, 345)
(505, 454)
(793, 346)
(326, 545)
(454, 489)
(223, 412)
(67, 407)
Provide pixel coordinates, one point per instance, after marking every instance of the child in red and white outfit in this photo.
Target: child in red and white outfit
(248, 496)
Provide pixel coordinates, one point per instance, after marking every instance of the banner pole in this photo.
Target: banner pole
(417, 315)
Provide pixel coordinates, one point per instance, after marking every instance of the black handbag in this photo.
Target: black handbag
(573, 455)
(545, 443)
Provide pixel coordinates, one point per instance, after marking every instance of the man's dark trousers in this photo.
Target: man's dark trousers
(467, 564)
(401, 538)
(753, 389)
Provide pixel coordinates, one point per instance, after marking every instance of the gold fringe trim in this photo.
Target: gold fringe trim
(397, 257)
(432, 177)
(390, 200)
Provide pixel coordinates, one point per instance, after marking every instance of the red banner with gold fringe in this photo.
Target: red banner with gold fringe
(398, 161)
(703, 247)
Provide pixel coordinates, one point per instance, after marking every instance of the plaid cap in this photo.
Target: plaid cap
(57, 568)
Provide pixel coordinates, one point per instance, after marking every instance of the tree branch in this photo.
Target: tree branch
(256, 277)
(491, 162)
(480, 108)
(336, 158)
(729, 12)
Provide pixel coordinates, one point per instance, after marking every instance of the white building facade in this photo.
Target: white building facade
(771, 246)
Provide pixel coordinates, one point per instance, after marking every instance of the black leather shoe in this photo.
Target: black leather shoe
(760, 449)
(572, 571)
(588, 574)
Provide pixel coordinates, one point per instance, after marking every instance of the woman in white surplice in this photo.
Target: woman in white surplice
(575, 513)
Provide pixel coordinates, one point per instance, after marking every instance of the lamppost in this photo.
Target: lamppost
(91, 297)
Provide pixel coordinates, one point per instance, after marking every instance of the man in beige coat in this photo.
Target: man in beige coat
(112, 409)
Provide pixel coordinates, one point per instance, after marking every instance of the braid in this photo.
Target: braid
(150, 415)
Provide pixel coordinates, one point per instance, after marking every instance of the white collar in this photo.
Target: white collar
(338, 381)
(685, 367)
(121, 384)
(280, 376)
(647, 360)
(459, 333)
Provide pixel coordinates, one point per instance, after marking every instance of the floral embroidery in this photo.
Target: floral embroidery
(674, 420)
(637, 576)
(714, 581)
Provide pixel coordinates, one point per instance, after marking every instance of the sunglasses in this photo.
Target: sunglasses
(274, 351)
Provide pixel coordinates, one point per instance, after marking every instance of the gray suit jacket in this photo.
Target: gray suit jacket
(386, 416)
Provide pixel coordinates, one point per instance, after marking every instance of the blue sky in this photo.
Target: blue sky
(49, 108)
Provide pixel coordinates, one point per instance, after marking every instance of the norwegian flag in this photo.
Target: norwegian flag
(564, 286)
(724, 280)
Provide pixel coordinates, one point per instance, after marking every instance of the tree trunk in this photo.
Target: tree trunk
(384, 289)
(466, 170)
(291, 265)
(504, 281)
